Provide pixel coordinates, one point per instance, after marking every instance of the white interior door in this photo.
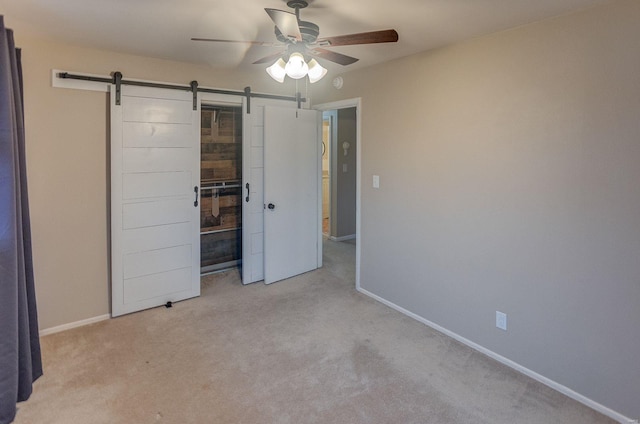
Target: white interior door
(155, 178)
(292, 184)
(253, 193)
(253, 188)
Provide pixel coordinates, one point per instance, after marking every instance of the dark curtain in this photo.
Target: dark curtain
(20, 362)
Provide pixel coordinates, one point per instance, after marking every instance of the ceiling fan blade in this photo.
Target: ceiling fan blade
(257, 43)
(269, 59)
(338, 58)
(384, 36)
(286, 22)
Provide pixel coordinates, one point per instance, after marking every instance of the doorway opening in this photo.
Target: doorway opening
(326, 173)
(220, 188)
(341, 176)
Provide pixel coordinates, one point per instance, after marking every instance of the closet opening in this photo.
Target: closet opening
(220, 188)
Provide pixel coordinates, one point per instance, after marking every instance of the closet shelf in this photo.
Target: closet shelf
(220, 187)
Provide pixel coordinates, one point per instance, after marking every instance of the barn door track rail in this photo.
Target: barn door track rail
(118, 81)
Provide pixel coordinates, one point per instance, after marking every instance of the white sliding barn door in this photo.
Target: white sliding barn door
(155, 178)
(253, 193)
(292, 185)
(253, 188)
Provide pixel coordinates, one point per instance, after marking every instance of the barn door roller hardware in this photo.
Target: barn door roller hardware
(194, 90)
(247, 92)
(117, 81)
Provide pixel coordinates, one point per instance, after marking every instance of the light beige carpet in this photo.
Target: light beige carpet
(306, 350)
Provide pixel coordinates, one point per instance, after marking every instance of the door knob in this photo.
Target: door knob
(271, 206)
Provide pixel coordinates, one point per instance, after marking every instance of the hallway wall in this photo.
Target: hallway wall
(346, 181)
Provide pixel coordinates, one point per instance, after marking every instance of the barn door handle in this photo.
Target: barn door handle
(247, 186)
(195, 190)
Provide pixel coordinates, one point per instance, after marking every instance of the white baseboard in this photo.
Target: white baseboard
(343, 238)
(508, 362)
(71, 325)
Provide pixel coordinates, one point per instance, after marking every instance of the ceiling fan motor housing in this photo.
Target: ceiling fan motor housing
(297, 4)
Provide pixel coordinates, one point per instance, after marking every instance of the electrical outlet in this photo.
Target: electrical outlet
(501, 320)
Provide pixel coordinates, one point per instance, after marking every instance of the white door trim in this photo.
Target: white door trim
(344, 104)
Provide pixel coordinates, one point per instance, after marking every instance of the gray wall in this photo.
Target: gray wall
(346, 181)
(514, 183)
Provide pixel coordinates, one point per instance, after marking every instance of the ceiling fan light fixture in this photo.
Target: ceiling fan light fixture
(277, 70)
(296, 67)
(316, 71)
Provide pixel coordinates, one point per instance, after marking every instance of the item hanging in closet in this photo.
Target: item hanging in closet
(215, 203)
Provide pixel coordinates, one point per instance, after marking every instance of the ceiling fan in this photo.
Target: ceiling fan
(300, 39)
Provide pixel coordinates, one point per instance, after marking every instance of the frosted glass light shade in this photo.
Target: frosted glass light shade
(316, 72)
(296, 67)
(277, 70)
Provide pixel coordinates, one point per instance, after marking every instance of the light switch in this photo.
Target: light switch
(376, 181)
(344, 167)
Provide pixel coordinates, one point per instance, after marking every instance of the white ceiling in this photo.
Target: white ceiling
(163, 28)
